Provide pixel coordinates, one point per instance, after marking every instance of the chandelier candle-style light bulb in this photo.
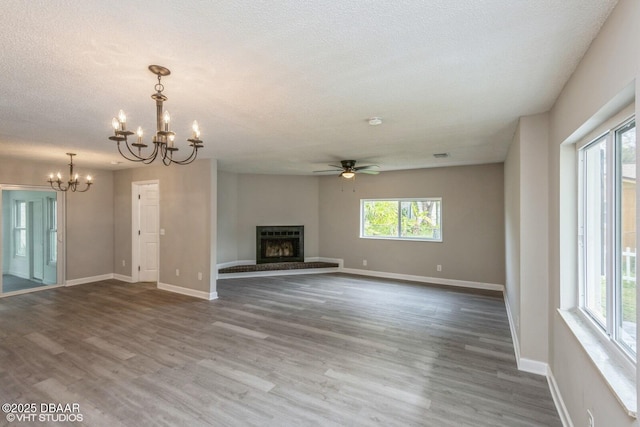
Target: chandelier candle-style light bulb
(196, 130)
(163, 139)
(122, 118)
(166, 118)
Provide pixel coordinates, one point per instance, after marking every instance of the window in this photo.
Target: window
(20, 228)
(607, 233)
(406, 219)
(52, 230)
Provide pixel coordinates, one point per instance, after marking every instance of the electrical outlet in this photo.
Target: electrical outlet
(439, 267)
(199, 276)
(177, 272)
(124, 263)
(590, 418)
(364, 262)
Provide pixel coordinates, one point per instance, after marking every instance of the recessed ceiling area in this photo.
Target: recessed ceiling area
(288, 87)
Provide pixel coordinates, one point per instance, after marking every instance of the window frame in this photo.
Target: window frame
(19, 228)
(613, 184)
(399, 202)
(52, 230)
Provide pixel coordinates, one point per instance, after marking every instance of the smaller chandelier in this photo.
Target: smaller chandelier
(72, 184)
(163, 140)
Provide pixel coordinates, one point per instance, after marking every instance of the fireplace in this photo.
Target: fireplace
(279, 243)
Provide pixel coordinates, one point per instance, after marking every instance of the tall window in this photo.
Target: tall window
(52, 229)
(20, 228)
(608, 233)
(407, 219)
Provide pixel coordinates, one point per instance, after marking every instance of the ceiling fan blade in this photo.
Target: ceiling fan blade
(336, 166)
(328, 170)
(369, 172)
(358, 168)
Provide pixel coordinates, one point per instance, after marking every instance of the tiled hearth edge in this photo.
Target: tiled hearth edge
(279, 272)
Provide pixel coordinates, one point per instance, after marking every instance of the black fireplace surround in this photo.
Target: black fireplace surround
(279, 243)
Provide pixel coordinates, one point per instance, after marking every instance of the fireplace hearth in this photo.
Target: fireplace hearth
(279, 243)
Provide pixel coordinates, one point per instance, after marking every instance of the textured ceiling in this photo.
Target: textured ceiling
(288, 86)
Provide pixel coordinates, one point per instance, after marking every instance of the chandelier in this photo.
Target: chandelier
(164, 138)
(72, 183)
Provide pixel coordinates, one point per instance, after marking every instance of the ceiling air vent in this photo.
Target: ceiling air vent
(441, 155)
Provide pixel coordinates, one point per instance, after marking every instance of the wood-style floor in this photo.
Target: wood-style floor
(301, 350)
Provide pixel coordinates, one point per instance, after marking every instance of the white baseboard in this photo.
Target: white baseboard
(127, 279)
(27, 291)
(425, 279)
(123, 278)
(557, 399)
(533, 366)
(524, 364)
(186, 291)
(514, 332)
(84, 280)
(537, 367)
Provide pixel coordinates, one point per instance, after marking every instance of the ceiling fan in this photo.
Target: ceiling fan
(348, 169)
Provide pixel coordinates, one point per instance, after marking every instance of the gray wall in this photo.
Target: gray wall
(89, 224)
(512, 228)
(265, 200)
(472, 216)
(526, 225)
(187, 214)
(593, 85)
(89, 230)
(227, 217)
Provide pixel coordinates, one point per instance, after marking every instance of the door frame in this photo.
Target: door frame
(32, 235)
(135, 226)
(61, 262)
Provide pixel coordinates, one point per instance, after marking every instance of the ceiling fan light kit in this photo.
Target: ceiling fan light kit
(163, 140)
(348, 174)
(348, 169)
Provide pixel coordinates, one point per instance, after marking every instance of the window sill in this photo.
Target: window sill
(619, 378)
(404, 239)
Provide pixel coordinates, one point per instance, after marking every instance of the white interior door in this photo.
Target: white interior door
(148, 232)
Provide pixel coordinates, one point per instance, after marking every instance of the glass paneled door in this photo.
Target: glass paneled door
(30, 242)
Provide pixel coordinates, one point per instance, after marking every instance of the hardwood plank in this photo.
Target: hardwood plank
(242, 377)
(115, 350)
(239, 329)
(45, 343)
